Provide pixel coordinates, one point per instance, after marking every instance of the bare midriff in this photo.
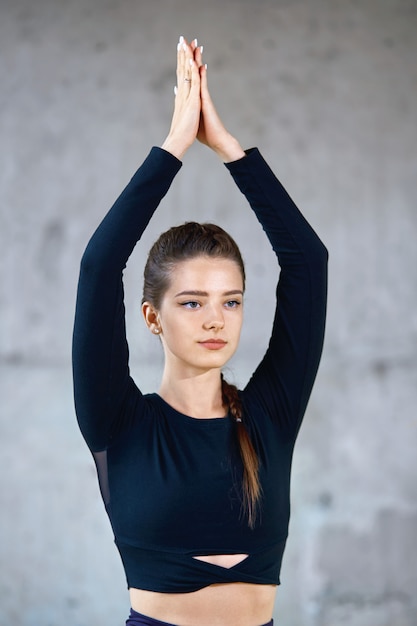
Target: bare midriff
(225, 604)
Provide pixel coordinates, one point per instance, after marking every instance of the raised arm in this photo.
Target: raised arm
(284, 379)
(104, 392)
(105, 395)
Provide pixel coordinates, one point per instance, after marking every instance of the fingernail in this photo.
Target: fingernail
(181, 39)
(191, 61)
(205, 66)
(184, 47)
(201, 49)
(178, 47)
(195, 42)
(175, 90)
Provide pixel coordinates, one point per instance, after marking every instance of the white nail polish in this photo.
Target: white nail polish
(184, 47)
(201, 49)
(195, 42)
(191, 61)
(175, 90)
(178, 47)
(181, 39)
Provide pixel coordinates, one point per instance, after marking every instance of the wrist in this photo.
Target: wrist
(229, 150)
(176, 147)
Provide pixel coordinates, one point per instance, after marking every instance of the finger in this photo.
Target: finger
(188, 57)
(194, 45)
(195, 76)
(180, 42)
(184, 53)
(204, 84)
(180, 59)
(198, 56)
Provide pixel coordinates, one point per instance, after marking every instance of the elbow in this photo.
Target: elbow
(321, 250)
(319, 263)
(95, 261)
(324, 254)
(321, 255)
(88, 259)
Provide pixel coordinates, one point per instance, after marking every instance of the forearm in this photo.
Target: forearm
(114, 239)
(289, 232)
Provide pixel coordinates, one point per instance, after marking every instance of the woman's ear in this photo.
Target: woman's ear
(151, 318)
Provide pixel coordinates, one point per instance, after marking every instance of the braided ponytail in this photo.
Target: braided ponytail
(251, 485)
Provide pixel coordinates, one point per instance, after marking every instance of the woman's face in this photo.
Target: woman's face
(201, 314)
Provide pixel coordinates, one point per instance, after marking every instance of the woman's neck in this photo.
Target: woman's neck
(197, 396)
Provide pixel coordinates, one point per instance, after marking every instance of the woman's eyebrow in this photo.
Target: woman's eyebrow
(196, 292)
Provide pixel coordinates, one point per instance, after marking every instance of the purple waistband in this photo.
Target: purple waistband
(137, 619)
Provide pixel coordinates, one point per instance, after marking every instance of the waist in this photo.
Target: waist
(225, 604)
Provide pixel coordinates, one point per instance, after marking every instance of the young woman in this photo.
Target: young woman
(195, 478)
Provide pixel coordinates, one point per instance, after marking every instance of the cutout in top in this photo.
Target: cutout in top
(222, 560)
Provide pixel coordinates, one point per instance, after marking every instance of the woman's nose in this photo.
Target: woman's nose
(214, 318)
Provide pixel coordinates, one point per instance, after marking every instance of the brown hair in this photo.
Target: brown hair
(181, 243)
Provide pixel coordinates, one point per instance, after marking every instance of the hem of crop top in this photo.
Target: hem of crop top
(182, 573)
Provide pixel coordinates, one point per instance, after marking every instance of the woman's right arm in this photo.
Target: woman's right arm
(105, 395)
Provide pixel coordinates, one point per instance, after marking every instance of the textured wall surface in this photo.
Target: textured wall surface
(328, 90)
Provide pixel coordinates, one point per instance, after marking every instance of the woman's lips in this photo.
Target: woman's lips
(213, 344)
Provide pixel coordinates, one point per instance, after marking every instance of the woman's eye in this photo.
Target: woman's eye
(191, 304)
(232, 304)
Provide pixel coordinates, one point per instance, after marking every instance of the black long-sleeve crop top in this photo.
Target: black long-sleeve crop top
(171, 483)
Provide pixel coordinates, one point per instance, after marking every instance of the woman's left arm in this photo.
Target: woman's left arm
(284, 379)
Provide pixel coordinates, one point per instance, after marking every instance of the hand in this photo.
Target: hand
(211, 130)
(186, 116)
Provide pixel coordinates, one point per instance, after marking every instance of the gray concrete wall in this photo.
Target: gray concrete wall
(327, 89)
